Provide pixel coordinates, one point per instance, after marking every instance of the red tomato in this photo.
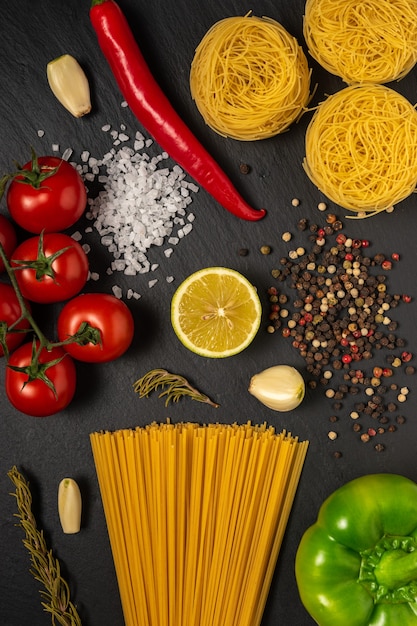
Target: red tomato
(8, 238)
(35, 397)
(53, 204)
(10, 312)
(104, 312)
(54, 278)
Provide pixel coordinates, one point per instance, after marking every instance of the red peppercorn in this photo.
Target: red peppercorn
(357, 357)
(406, 298)
(395, 256)
(354, 348)
(341, 238)
(349, 256)
(357, 334)
(356, 243)
(370, 332)
(286, 332)
(387, 372)
(386, 265)
(359, 374)
(406, 357)
(371, 432)
(308, 318)
(347, 358)
(377, 372)
(320, 233)
(302, 321)
(344, 342)
(365, 243)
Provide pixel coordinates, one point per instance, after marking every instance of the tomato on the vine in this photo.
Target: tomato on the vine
(10, 312)
(46, 194)
(8, 238)
(43, 388)
(51, 267)
(110, 327)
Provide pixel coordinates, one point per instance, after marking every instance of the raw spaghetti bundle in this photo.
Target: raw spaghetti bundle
(249, 78)
(363, 41)
(361, 148)
(196, 516)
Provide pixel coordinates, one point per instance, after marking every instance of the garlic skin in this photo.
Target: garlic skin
(69, 84)
(280, 388)
(69, 506)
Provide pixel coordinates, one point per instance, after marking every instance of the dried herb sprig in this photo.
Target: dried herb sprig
(176, 387)
(45, 567)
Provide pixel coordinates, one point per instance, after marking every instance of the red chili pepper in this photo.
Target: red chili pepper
(154, 111)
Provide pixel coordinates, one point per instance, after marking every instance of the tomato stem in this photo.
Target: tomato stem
(26, 314)
(84, 335)
(42, 265)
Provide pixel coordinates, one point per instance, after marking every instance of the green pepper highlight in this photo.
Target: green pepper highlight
(357, 565)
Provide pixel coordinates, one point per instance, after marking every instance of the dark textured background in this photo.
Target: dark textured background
(46, 450)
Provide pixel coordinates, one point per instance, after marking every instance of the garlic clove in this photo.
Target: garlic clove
(69, 506)
(69, 84)
(280, 388)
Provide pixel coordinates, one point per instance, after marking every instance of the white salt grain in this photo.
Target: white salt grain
(152, 283)
(66, 155)
(117, 291)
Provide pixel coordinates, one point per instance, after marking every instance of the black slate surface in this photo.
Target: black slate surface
(46, 450)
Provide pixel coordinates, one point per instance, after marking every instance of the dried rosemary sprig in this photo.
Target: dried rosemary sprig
(176, 387)
(45, 567)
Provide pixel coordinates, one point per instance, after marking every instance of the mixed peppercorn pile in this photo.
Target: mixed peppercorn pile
(340, 317)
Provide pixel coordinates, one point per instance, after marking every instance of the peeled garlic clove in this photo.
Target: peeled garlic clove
(280, 388)
(69, 84)
(69, 506)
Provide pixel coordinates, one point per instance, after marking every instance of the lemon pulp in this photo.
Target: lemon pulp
(216, 312)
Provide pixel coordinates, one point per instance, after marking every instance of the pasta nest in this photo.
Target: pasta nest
(361, 148)
(249, 78)
(363, 41)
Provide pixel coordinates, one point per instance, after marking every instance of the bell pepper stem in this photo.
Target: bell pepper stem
(396, 568)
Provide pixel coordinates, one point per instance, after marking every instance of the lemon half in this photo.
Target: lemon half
(216, 312)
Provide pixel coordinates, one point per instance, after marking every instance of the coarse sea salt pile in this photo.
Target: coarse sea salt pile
(143, 202)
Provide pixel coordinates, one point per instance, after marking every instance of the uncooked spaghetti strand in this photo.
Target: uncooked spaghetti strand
(298, 458)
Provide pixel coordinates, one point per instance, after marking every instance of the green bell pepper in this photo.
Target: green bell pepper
(357, 565)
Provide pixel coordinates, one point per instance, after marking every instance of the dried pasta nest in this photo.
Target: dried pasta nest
(363, 41)
(361, 148)
(249, 78)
